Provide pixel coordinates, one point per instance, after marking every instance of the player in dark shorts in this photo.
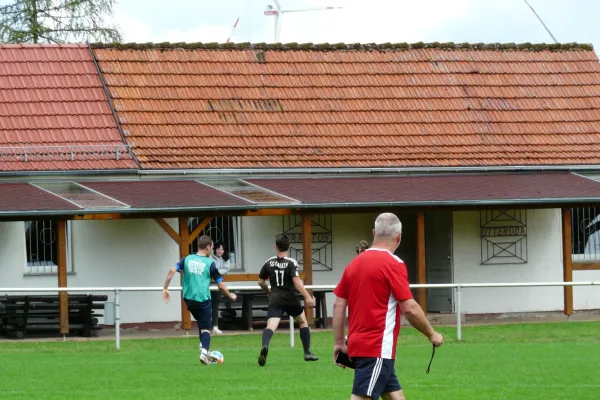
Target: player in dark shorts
(282, 272)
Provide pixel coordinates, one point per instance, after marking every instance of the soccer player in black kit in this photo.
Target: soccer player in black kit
(282, 272)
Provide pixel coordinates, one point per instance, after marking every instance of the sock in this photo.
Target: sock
(205, 340)
(305, 337)
(266, 339)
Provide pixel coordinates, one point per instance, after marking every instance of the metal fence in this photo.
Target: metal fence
(458, 288)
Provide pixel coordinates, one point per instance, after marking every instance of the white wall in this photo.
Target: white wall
(106, 253)
(544, 265)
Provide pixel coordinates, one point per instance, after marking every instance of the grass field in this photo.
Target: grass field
(529, 361)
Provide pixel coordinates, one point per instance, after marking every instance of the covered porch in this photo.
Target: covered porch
(424, 203)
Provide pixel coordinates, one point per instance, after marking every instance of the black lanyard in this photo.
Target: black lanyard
(429, 366)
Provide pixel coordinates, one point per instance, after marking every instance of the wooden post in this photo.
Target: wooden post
(567, 260)
(184, 251)
(307, 262)
(63, 297)
(421, 265)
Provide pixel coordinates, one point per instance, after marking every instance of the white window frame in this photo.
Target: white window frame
(49, 269)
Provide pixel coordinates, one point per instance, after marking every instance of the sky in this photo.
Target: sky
(365, 21)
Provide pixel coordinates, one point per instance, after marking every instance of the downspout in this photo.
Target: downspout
(111, 106)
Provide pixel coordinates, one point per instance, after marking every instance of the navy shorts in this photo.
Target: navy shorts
(291, 309)
(202, 312)
(374, 376)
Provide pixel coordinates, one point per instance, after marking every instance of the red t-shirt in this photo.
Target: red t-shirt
(373, 283)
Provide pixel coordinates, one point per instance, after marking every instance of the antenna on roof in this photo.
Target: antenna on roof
(277, 12)
(538, 17)
(233, 29)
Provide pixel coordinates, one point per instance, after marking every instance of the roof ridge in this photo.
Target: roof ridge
(347, 46)
(41, 45)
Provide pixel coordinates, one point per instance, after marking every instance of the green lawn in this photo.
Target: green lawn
(529, 361)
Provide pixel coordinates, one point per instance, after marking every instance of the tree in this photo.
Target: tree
(57, 21)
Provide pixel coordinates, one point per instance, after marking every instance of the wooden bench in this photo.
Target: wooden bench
(22, 315)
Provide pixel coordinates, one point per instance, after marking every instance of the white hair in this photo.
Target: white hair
(387, 225)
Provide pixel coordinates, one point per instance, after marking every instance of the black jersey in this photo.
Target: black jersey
(281, 271)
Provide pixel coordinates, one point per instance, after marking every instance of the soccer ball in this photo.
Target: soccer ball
(216, 356)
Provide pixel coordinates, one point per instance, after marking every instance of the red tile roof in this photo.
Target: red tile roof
(232, 106)
(54, 113)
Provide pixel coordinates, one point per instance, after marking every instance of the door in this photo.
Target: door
(438, 259)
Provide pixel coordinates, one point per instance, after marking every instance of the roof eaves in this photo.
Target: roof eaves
(316, 206)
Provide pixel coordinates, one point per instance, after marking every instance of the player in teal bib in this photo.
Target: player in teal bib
(197, 270)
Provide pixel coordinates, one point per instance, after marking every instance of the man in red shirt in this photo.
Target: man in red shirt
(374, 288)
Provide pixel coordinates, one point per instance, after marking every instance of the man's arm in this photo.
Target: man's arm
(398, 280)
(216, 275)
(223, 288)
(263, 284)
(170, 274)
(308, 299)
(339, 320)
(416, 317)
(263, 275)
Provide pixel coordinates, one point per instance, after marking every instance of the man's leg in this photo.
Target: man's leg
(374, 377)
(274, 315)
(397, 395)
(384, 396)
(300, 318)
(216, 300)
(203, 316)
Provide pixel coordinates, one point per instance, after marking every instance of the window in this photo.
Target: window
(225, 230)
(41, 246)
(585, 234)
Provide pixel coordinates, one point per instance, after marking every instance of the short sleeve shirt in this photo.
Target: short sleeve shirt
(281, 271)
(372, 284)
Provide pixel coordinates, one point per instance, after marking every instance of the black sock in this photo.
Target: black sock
(205, 340)
(267, 334)
(305, 337)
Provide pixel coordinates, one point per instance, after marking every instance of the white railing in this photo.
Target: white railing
(456, 286)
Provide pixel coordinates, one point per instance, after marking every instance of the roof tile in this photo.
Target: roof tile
(52, 95)
(328, 108)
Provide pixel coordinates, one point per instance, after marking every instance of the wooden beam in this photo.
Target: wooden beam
(579, 266)
(421, 262)
(98, 217)
(307, 262)
(567, 260)
(192, 236)
(267, 212)
(165, 225)
(63, 297)
(184, 251)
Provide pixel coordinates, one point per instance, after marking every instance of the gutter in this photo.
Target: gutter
(283, 171)
(68, 173)
(230, 172)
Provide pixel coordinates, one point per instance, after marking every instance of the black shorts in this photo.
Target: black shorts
(374, 376)
(202, 312)
(291, 309)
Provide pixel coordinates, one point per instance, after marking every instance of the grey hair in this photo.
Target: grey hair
(387, 225)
